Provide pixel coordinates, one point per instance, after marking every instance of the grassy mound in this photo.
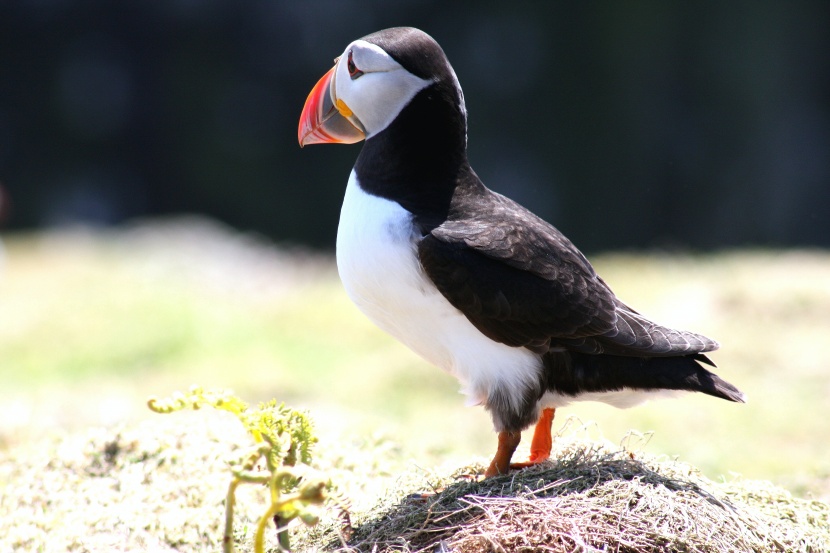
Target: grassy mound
(160, 486)
(594, 499)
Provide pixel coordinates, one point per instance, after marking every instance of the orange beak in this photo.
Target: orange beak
(321, 122)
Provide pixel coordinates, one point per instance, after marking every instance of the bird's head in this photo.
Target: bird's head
(370, 84)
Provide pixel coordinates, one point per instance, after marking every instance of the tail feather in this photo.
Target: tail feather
(573, 373)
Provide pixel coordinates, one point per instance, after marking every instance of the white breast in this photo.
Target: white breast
(378, 264)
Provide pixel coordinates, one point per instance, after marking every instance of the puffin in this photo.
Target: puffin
(465, 277)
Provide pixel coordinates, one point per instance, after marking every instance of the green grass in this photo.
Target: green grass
(93, 322)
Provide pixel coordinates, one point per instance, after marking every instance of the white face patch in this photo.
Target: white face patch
(378, 95)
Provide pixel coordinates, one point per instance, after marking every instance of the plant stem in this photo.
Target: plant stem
(230, 502)
(259, 537)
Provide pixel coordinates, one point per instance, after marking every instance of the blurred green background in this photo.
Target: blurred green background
(664, 127)
(94, 322)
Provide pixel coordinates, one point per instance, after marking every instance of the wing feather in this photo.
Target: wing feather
(522, 283)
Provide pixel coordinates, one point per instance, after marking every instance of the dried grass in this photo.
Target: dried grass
(160, 486)
(592, 498)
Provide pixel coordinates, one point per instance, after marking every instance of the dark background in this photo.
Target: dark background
(629, 125)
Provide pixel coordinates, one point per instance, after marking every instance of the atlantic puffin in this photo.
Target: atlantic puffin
(468, 279)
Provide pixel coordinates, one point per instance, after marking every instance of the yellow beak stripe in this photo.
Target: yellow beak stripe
(343, 108)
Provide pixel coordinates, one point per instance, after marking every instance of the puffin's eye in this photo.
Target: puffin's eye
(354, 72)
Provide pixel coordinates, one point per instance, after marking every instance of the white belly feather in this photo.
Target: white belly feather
(379, 267)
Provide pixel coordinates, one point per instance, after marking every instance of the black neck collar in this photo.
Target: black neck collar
(418, 159)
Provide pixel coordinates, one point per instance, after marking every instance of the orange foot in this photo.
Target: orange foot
(542, 441)
(508, 442)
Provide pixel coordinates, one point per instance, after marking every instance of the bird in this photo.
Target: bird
(467, 278)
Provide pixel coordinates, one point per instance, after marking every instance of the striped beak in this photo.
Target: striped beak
(323, 120)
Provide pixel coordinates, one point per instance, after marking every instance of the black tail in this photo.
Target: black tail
(572, 373)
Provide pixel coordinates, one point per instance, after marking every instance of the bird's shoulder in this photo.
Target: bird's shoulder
(515, 276)
(499, 228)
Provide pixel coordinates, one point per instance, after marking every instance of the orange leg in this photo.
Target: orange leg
(508, 442)
(542, 442)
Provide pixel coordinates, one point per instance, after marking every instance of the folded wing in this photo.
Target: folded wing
(522, 283)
